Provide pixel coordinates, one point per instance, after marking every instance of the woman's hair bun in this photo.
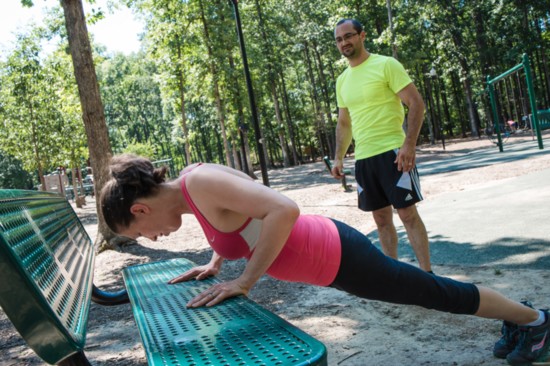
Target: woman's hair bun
(133, 170)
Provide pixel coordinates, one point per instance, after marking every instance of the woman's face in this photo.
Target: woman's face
(152, 224)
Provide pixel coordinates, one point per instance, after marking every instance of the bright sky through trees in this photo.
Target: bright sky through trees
(118, 31)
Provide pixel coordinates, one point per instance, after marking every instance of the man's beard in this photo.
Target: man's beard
(349, 52)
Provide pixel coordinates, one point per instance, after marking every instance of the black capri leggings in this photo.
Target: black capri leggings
(366, 272)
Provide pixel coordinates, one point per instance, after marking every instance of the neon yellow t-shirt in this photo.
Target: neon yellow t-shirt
(369, 92)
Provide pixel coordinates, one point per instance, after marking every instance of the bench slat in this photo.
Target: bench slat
(235, 332)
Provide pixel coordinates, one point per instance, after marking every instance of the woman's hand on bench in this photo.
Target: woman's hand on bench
(201, 272)
(196, 273)
(217, 293)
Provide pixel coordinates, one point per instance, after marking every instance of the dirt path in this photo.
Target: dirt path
(355, 331)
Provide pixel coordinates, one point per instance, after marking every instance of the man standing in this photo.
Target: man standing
(369, 93)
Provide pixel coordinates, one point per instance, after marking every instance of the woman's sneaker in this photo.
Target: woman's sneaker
(510, 337)
(533, 344)
(508, 341)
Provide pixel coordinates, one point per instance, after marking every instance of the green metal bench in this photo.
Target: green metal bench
(543, 117)
(46, 266)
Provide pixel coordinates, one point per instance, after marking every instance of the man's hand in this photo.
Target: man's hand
(337, 170)
(406, 158)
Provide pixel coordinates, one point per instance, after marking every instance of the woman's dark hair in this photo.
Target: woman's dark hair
(356, 25)
(133, 177)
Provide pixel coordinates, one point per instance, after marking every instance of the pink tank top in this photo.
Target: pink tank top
(311, 254)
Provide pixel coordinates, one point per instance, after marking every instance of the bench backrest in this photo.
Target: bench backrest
(46, 270)
(544, 119)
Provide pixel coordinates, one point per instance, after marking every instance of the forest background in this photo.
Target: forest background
(184, 98)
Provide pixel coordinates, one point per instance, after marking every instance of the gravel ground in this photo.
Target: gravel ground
(355, 331)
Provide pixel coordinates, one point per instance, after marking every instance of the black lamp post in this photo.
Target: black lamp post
(255, 120)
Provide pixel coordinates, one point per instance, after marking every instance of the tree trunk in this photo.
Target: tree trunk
(75, 189)
(430, 115)
(481, 43)
(280, 125)
(319, 117)
(459, 43)
(272, 84)
(246, 145)
(217, 96)
(37, 155)
(331, 126)
(392, 31)
(182, 110)
(236, 158)
(92, 107)
(289, 122)
(446, 109)
(242, 127)
(457, 93)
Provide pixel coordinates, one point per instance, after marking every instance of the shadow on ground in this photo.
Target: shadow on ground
(505, 252)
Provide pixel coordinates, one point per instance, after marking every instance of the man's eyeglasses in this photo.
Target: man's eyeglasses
(345, 37)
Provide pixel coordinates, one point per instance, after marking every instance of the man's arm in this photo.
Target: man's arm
(413, 100)
(343, 140)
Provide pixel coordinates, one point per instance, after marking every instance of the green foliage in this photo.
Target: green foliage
(70, 135)
(170, 99)
(41, 116)
(134, 106)
(29, 127)
(12, 174)
(142, 149)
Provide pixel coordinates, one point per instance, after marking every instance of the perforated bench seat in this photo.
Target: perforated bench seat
(235, 332)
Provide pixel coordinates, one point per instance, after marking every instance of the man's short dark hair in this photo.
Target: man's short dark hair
(356, 25)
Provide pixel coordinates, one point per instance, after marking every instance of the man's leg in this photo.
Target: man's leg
(386, 230)
(418, 237)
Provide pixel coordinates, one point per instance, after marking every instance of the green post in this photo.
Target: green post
(496, 121)
(532, 99)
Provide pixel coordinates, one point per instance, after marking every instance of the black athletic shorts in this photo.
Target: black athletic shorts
(366, 272)
(380, 184)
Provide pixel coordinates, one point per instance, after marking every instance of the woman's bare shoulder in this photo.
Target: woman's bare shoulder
(208, 168)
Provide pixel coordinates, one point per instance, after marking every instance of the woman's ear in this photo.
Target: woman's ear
(139, 209)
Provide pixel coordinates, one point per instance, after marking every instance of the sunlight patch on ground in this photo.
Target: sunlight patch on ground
(526, 258)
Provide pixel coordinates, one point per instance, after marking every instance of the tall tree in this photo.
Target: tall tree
(69, 133)
(213, 65)
(92, 108)
(26, 93)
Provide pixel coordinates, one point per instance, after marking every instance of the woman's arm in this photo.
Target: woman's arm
(226, 200)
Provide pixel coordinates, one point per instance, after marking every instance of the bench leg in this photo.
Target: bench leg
(345, 184)
(78, 359)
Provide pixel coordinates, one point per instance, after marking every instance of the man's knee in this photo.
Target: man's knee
(383, 217)
(408, 215)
